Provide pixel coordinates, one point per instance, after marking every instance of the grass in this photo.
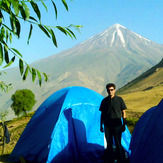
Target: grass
(131, 122)
(15, 127)
(139, 102)
(143, 100)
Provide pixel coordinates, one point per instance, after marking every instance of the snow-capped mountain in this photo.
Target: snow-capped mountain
(115, 55)
(118, 37)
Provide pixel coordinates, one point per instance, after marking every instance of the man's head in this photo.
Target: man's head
(111, 89)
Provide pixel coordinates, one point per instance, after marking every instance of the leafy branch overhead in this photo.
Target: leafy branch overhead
(17, 10)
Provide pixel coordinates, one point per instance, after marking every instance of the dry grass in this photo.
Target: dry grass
(143, 100)
(15, 128)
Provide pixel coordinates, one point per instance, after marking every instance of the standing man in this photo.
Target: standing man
(112, 109)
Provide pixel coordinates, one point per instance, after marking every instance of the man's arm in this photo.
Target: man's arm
(123, 114)
(124, 120)
(101, 122)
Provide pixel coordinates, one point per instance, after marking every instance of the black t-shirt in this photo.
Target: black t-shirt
(112, 108)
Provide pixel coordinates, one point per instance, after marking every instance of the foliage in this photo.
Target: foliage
(15, 11)
(23, 101)
(3, 115)
(3, 86)
(131, 123)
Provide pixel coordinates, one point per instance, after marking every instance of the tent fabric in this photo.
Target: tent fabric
(65, 129)
(147, 139)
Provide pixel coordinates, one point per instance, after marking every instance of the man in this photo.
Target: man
(112, 109)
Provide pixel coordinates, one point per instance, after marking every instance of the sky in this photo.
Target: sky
(145, 17)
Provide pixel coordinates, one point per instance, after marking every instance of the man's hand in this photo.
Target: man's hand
(101, 129)
(124, 120)
(123, 128)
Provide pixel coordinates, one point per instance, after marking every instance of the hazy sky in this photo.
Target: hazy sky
(144, 17)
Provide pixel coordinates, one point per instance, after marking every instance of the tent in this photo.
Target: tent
(65, 129)
(147, 139)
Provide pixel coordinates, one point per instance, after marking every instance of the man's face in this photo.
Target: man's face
(111, 91)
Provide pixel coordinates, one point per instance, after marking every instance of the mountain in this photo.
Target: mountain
(148, 80)
(115, 55)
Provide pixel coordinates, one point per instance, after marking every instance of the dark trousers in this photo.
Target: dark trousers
(114, 131)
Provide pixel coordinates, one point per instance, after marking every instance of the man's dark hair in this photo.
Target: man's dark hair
(110, 85)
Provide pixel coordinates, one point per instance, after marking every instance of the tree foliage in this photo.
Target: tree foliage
(23, 101)
(3, 115)
(4, 87)
(15, 11)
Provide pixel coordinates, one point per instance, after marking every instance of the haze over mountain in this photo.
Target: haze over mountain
(115, 55)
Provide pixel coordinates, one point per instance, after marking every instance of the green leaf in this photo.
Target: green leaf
(65, 4)
(5, 6)
(77, 27)
(21, 66)
(33, 74)
(7, 28)
(49, 30)
(1, 54)
(12, 60)
(32, 18)
(39, 77)
(26, 73)
(54, 38)
(16, 51)
(72, 34)
(22, 11)
(2, 33)
(0, 21)
(10, 38)
(62, 29)
(6, 35)
(36, 9)
(46, 77)
(55, 8)
(12, 23)
(44, 30)
(44, 5)
(1, 17)
(15, 6)
(26, 10)
(17, 23)
(6, 54)
(30, 33)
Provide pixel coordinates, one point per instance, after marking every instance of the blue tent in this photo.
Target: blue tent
(65, 129)
(147, 139)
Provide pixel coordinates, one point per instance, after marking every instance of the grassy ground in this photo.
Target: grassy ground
(143, 100)
(15, 128)
(139, 102)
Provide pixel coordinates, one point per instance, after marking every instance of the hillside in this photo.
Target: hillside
(148, 80)
(143, 100)
(145, 91)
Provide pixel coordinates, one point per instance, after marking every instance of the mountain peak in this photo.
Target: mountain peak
(117, 26)
(117, 36)
(118, 33)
